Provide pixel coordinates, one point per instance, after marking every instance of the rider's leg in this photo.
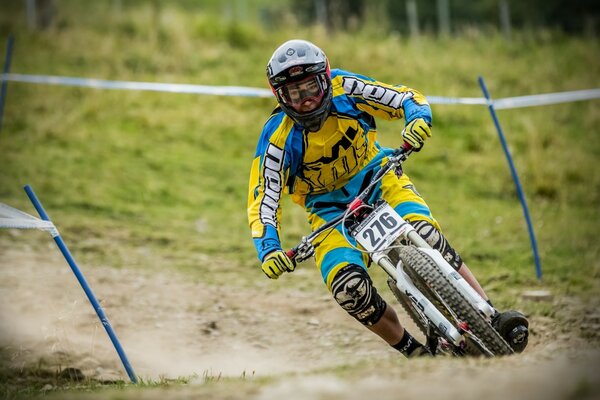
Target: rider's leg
(468, 276)
(391, 330)
(353, 289)
(388, 327)
(344, 272)
(343, 269)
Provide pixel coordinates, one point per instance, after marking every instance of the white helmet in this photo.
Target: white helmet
(299, 61)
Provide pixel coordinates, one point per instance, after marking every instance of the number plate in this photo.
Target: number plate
(380, 228)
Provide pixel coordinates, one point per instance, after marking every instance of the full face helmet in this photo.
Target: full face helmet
(299, 75)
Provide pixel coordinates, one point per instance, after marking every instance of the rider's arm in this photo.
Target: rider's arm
(382, 100)
(268, 175)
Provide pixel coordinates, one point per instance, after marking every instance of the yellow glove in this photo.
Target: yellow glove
(416, 132)
(276, 263)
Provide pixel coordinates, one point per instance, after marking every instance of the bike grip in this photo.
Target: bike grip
(291, 253)
(406, 146)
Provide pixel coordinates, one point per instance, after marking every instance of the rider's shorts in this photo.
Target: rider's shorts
(332, 250)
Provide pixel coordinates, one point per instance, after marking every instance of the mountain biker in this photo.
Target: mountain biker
(319, 145)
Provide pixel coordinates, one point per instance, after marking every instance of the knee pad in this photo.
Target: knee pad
(436, 240)
(353, 289)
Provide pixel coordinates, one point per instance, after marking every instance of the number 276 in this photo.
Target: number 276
(377, 228)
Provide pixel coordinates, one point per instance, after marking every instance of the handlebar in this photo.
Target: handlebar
(305, 249)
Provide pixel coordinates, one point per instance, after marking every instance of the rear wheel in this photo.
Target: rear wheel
(434, 284)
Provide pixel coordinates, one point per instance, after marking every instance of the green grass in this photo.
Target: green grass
(169, 171)
(39, 382)
(159, 180)
(147, 169)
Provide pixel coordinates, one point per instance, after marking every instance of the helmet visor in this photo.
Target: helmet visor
(303, 96)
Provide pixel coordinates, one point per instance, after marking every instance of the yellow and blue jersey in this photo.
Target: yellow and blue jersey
(304, 164)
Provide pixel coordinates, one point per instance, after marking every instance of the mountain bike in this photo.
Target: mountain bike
(454, 318)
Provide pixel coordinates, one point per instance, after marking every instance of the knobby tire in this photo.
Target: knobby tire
(428, 277)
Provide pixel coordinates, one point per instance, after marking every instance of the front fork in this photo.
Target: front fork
(405, 285)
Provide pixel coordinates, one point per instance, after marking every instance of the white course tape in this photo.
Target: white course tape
(12, 223)
(504, 103)
(128, 85)
(11, 218)
(545, 99)
(456, 100)
(10, 212)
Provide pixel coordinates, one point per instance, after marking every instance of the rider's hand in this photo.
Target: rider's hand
(276, 263)
(416, 132)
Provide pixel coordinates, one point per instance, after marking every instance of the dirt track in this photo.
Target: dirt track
(170, 327)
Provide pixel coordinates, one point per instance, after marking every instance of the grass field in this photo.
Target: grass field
(159, 181)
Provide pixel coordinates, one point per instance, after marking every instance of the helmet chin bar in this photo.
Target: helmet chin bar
(314, 120)
(315, 124)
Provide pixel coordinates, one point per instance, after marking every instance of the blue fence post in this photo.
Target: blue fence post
(513, 171)
(5, 70)
(86, 288)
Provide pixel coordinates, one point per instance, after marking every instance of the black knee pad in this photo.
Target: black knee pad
(353, 289)
(436, 240)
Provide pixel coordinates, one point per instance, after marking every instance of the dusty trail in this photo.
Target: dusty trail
(171, 327)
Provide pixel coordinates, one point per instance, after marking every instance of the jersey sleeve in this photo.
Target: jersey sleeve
(382, 100)
(268, 174)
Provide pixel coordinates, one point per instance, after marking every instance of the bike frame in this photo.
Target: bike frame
(403, 282)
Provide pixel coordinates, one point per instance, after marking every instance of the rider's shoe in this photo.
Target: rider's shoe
(442, 348)
(438, 346)
(513, 327)
(421, 351)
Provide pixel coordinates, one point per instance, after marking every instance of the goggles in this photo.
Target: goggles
(296, 93)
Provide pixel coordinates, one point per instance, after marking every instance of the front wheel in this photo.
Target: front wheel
(439, 289)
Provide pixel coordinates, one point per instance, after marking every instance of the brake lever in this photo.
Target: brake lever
(302, 252)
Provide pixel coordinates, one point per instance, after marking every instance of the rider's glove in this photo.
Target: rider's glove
(416, 132)
(276, 263)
